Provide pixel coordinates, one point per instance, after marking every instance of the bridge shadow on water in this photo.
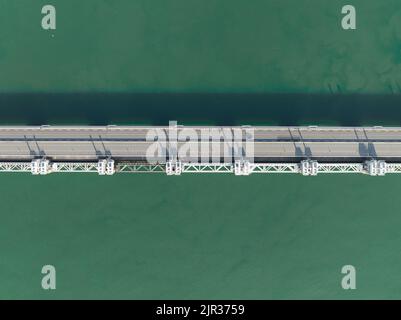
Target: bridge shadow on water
(207, 109)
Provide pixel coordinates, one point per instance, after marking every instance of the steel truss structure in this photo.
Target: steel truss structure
(74, 167)
(15, 166)
(239, 167)
(128, 167)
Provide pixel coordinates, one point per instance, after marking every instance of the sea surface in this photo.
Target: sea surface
(217, 62)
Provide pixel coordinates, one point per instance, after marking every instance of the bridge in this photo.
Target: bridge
(242, 150)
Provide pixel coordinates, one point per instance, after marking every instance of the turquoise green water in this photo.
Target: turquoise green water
(144, 236)
(209, 236)
(193, 46)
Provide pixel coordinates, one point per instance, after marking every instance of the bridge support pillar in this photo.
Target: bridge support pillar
(376, 167)
(106, 167)
(35, 166)
(40, 167)
(382, 168)
(110, 168)
(242, 168)
(173, 168)
(309, 168)
(314, 168)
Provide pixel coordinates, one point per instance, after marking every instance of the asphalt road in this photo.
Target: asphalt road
(139, 143)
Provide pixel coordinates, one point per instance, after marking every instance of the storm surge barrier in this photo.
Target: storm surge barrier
(176, 150)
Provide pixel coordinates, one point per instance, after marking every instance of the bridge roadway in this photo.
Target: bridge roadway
(129, 143)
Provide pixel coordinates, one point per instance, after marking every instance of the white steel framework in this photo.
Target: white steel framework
(128, 167)
(240, 167)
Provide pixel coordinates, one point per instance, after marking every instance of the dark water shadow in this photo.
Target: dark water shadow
(218, 109)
